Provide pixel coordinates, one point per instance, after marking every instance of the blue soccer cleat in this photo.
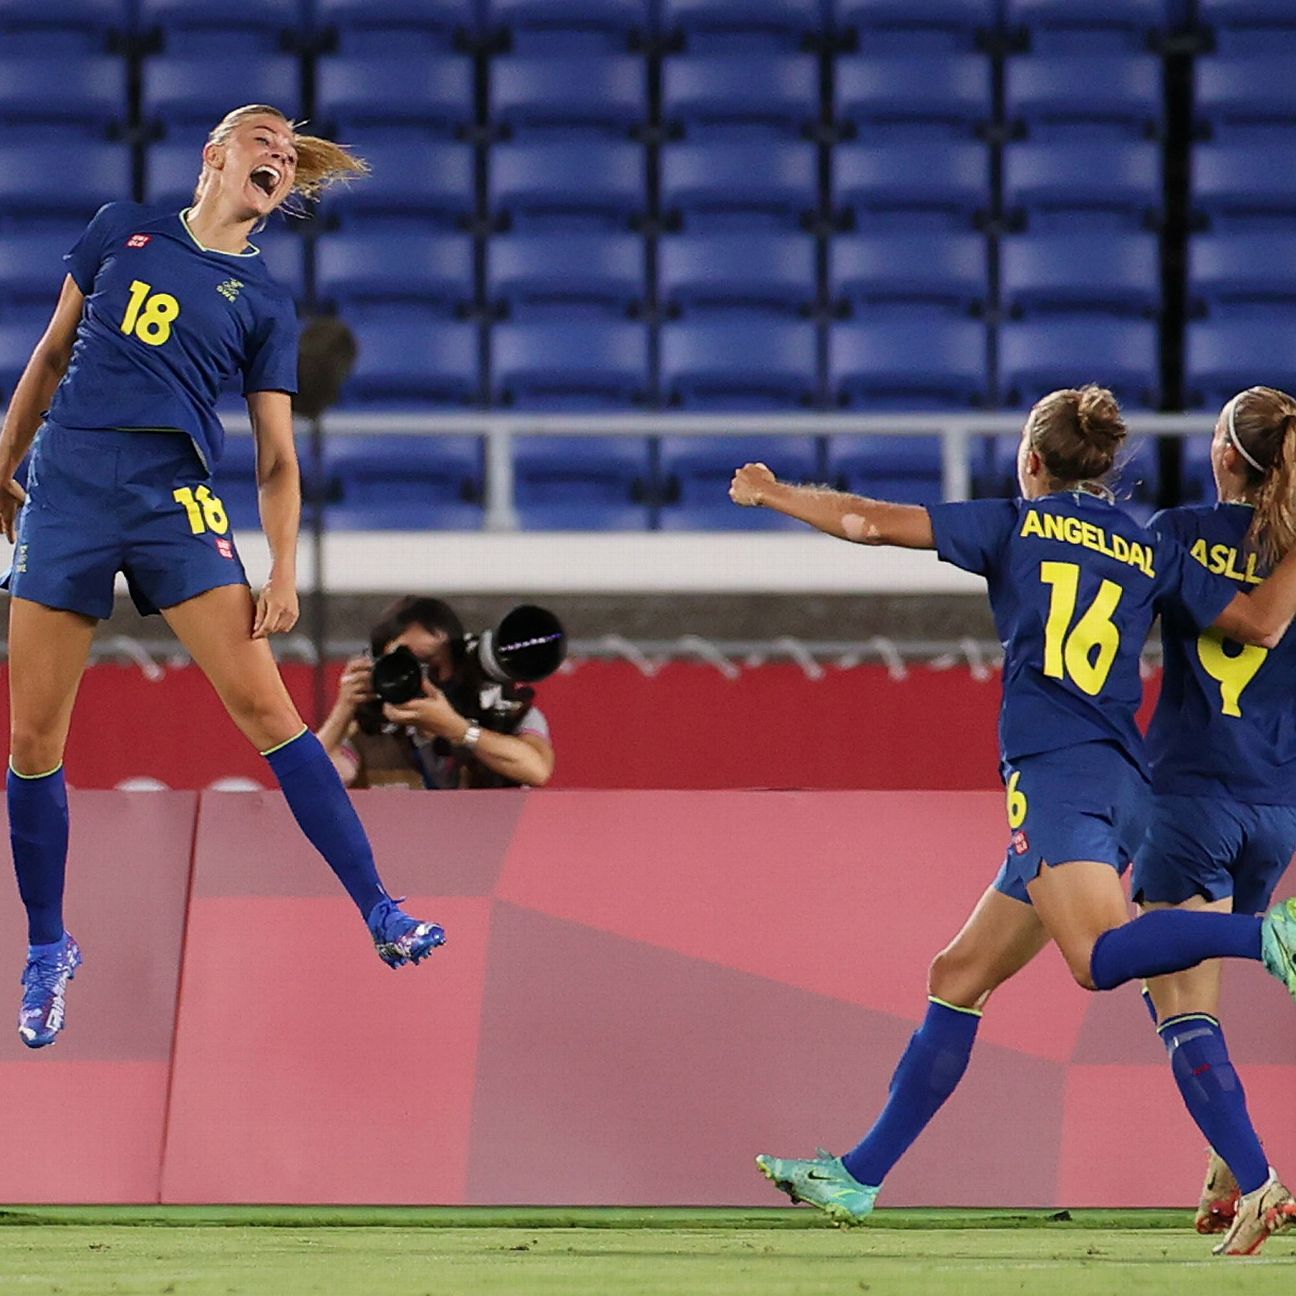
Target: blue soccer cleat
(823, 1182)
(44, 982)
(399, 938)
(1278, 943)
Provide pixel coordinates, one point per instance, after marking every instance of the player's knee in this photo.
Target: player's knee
(33, 751)
(266, 721)
(1081, 970)
(951, 978)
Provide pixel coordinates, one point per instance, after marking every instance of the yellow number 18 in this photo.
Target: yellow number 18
(149, 315)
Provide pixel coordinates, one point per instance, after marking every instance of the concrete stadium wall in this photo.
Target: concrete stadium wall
(640, 991)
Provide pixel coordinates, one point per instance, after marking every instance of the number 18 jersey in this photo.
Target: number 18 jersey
(1074, 585)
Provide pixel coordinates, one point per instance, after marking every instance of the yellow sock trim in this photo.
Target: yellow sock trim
(1185, 1017)
(21, 775)
(270, 751)
(971, 1012)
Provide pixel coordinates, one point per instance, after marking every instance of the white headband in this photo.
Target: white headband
(1233, 436)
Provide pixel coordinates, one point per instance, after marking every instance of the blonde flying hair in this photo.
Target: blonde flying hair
(1261, 426)
(320, 163)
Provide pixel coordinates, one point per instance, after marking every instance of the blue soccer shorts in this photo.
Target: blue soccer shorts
(1087, 802)
(105, 501)
(1214, 847)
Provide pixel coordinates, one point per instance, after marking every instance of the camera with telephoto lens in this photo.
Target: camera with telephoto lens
(491, 676)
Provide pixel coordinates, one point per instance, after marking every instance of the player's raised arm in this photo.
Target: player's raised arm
(848, 517)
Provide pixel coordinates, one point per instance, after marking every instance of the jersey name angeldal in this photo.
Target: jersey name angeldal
(1074, 586)
(166, 323)
(1225, 724)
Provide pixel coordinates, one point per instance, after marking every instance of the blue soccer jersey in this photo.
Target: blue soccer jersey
(1225, 724)
(1074, 585)
(166, 323)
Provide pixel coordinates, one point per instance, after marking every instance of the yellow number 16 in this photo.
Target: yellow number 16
(149, 315)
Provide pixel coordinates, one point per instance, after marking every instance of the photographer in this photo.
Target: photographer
(461, 727)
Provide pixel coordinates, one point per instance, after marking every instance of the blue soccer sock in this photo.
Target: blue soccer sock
(38, 833)
(322, 808)
(927, 1074)
(1213, 1094)
(1169, 940)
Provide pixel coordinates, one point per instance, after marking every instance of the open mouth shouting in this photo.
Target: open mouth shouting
(266, 179)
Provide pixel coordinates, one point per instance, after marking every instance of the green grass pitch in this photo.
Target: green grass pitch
(351, 1251)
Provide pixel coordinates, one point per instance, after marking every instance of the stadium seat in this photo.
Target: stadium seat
(73, 26)
(950, 92)
(284, 254)
(411, 181)
(387, 482)
(530, 273)
(1238, 94)
(1119, 94)
(1115, 184)
(576, 483)
(911, 359)
(1249, 26)
(1223, 356)
(92, 90)
(906, 469)
(171, 172)
(732, 25)
(1238, 185)
(1062, 25)
(430, 92)
(415, 266)
(918, 184)
(1115, 272)
(44, 176)
(723, 516)
(235, 482)
(607, 93)
(774, 92)
(396, 26)
(1239, 269)
(32, 267)
(900, 26)
(545, 24)
(221, 26)
(576, 183)
(771, 272)
(19, 334)
(407, 354)
(696, 472)
(180, 92)
(1038, 356)
(580, 364)
(949, 270)
(747, 362)
(774, 183)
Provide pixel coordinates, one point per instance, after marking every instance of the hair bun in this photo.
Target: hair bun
(1098, 417)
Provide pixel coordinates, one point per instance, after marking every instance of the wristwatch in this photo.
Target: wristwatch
(471, 735)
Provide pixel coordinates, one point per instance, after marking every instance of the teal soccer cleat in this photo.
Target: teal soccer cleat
(1278, 943)
(823, 1182)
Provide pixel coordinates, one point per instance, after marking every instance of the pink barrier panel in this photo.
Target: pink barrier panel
(86, 1118)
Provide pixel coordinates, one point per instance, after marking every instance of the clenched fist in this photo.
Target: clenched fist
(750, 484)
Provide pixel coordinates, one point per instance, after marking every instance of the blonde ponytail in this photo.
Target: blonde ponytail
(1273, 529)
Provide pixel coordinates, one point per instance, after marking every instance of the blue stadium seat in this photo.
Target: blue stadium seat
(222, 26)
(713, 186)
(415, 266)
(1235, 185)
(575, 483)
(1238, 269)
(426, 91)
(19, 333)
(404, 483)
(748, 362)
(1062, 25)
(952, 92)
(607, 93)
(176, 91)
(1240, 93)
(724, 516)
(1038, 356)
(578, 365)
(1119, 273)
(901, 27)
(1249, 26)
(530, 273)
(32, 267)
(1113, 183)
(556, 24)
(396, 26)
(411, 181)
(576, 183)
(284, 254)
(922, 183)
(72, 26)
(235, 483)
(1120, 94)
(733, 25)
(771, 272)
(775, 92)
(911, 359)
(905, 469)
(408, 354)
(91, 90)
(1224, 355)
(948, 270)
(696, 472)
(171, 172)
(65, 175)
